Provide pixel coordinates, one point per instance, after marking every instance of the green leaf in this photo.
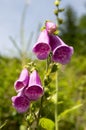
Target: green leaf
(3, 124)
(56, 32)
(46, 124)
(62, 115)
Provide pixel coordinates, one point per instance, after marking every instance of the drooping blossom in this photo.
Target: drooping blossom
(42, 47)
(22, 81)
(34, 90)
(61, 52)
(50, 27)
(20, 102)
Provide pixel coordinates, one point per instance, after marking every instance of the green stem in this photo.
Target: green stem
(56, 104)
(47, 65)
(39, 113)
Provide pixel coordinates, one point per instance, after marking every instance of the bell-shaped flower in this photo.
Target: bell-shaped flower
(42, 47)
(50, 27)
(20, 102)
(34, 90)
(61, 52)
(22, 81)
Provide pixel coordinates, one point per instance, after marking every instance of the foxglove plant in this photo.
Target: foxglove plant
(51, 48)
(59, 53)
(28, 85)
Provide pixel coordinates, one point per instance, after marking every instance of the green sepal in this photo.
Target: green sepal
(56, 32)
(60, 20)
(42, 28)
(61, 10)
(47, 80)
(54, 67)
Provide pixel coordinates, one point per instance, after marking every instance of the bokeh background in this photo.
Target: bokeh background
(18, 34)
(36, 13)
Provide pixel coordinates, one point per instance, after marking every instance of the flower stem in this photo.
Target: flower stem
(39, 114)
(47, 65)
(56, 104)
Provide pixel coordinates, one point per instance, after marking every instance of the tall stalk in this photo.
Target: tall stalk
(56, 103)
(59, 21)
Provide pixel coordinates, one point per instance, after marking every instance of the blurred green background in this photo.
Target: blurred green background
(72, 81)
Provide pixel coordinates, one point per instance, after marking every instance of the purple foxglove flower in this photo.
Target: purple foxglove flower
(42, 47)
(50, 27)
(20, 102)
(34, 90)
(22, 81)
(61, 52)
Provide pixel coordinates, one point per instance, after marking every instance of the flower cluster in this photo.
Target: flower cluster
(29, 88)
(48, 42)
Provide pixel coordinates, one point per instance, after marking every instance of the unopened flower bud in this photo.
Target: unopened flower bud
(60, 20)
(56, 12)
(57, 3)
(50, 27)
